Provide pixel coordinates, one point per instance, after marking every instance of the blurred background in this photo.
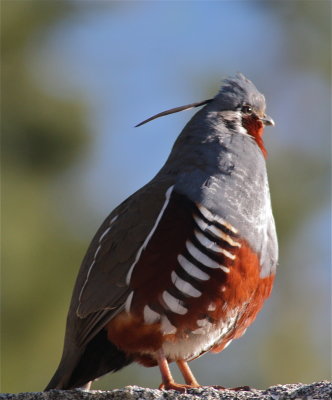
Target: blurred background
(76, 77)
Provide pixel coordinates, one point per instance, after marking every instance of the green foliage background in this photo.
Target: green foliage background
(44, 137)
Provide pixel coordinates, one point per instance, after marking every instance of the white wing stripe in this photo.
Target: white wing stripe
(95, 256)
(128, 301)
(147, 239)
(104, 234)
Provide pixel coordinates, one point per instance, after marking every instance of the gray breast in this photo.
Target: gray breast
(230, 180)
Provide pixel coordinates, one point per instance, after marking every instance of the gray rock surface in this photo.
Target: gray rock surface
(299, 391)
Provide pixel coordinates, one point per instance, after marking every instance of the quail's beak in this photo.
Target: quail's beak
(267, 121)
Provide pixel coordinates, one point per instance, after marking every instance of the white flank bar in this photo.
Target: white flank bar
(150, 316)
(209, 244)
(219, 233)
(192, 270)
(221, 221)
(201, 257)
(202, 224)
(184, 287)
(215, 231)
(205, 212)
(173, 304)
(215, 218)
(225, 269)
(166, 327)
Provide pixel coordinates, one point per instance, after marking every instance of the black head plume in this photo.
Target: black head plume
(175, 110)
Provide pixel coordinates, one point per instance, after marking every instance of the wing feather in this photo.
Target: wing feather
(101, 290)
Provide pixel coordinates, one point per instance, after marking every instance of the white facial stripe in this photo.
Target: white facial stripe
(241, 129)
(95, 256)
(173, 304)
(166, 327)
(146, 241)
(150, 316)
(201, 257)
(236, 118)
(128, 302)
(184, 287)
(206, 242)
(212, 307)
(192, 270)
(215, 218)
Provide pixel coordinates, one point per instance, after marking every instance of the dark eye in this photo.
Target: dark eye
(246, 109)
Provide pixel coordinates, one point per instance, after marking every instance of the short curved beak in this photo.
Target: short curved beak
(267, 121)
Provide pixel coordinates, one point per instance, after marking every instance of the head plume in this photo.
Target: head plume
(234, 92)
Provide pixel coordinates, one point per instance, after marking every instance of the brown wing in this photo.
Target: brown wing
(101, 290)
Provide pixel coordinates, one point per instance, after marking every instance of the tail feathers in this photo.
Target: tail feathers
(99, 357)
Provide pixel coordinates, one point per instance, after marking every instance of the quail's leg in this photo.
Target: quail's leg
(191, 380)
(187, 374)
(168, 381)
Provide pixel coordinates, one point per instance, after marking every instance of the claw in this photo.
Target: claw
(179, 387)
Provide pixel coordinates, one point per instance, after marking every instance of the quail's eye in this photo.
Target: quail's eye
(246, 109)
